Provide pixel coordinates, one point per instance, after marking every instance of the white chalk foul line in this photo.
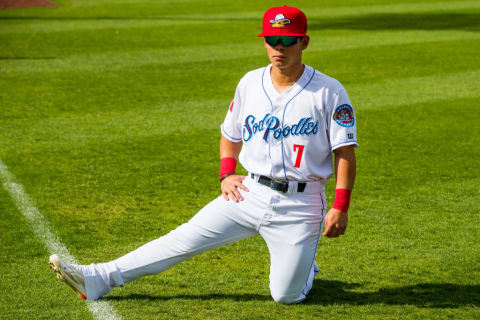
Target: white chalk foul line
(101, 310)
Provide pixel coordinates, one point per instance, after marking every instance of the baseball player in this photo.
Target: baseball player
(285, 123)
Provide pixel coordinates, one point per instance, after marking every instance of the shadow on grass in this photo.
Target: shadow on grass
(327, 292)
(407, 21)
(431, 295)
(212, 296)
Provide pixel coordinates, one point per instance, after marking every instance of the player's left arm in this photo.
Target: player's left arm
(345, 170)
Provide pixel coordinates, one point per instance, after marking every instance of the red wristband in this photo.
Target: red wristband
(227, 166)
(342, 199)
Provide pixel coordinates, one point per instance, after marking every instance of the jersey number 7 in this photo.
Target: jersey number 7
(300, 148)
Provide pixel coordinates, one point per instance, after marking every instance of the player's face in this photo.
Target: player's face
(285, 57)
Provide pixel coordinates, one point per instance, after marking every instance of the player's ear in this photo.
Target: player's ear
(305, 42)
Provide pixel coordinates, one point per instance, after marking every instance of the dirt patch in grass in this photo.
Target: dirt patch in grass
(7, 4)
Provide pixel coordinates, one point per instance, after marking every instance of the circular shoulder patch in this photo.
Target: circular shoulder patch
(343, 115)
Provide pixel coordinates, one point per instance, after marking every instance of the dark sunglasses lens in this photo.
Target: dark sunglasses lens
(287, 41)
(272, 41)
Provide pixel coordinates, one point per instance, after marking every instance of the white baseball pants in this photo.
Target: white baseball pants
(290, 224)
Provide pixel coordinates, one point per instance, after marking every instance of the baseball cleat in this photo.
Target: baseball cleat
(70, 274)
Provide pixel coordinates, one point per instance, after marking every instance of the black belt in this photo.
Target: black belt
(278, 185)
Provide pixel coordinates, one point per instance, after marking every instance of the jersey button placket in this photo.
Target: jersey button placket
(277, 103)
(273, 143)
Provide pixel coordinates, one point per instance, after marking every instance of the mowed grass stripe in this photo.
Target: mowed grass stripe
(122, 125)
(233, 11)
(433, 20)
(65, 26)
(403, 92)
(336, 11)
(90, 3)
(135, 58)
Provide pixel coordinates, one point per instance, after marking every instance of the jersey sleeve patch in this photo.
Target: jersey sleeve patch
(231, 106)
(343, 115)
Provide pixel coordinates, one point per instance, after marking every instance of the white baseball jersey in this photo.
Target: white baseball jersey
(290, 135)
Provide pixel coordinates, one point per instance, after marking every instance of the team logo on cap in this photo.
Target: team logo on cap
(344, 116)
(280, 21)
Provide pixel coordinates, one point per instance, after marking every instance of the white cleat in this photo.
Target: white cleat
(70, 274)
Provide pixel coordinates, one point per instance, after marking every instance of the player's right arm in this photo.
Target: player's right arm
(231, 183)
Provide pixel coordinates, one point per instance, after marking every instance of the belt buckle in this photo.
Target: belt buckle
(283, 184)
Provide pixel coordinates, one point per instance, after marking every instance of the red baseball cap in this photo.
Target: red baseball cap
(284, 21)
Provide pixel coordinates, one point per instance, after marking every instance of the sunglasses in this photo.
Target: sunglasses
(287, 41)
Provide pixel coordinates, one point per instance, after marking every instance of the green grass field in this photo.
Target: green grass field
(109, 118)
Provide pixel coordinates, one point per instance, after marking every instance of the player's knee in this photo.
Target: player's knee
(285, 298)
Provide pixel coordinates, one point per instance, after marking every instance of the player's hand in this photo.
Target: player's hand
(230, 187)
(335, 223)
